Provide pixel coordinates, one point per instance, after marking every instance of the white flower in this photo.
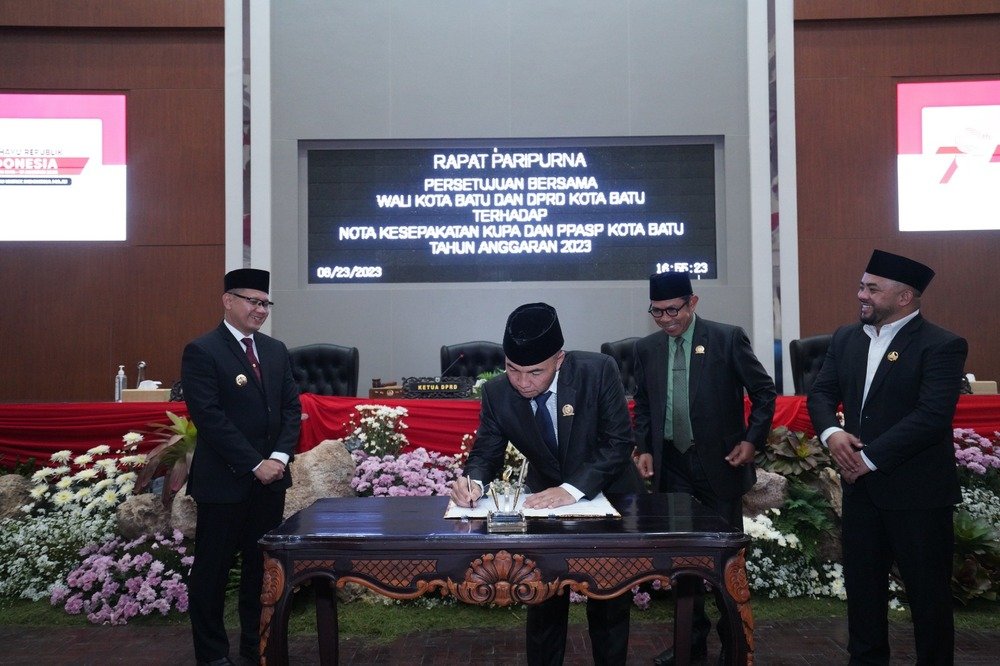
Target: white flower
(132, 438)
(62, 497)
(127, 477)
(85, 475)
(83, 459)
(42, 474)
(61, 456)
(39, 491)
(99, 450)
(134, 460)
(64, 483)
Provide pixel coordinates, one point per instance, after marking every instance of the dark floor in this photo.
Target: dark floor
(807, 642)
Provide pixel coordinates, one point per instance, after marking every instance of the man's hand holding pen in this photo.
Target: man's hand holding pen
(465, 492)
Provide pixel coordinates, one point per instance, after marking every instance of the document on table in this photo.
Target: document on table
(598, 507)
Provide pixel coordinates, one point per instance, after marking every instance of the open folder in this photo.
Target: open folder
(598, 507)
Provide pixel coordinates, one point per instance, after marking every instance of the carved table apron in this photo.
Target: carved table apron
(403, 548)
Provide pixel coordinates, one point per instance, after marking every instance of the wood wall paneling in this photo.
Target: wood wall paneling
(113, 13)
(806, 10)
(846, 73)
(112, 60)
(74, 311)
(176, 155)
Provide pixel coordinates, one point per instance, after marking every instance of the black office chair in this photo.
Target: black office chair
(806, 356)
(622, 352)
(470, 359)
(325, 369)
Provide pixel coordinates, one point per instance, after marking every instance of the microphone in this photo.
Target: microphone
(451, 365)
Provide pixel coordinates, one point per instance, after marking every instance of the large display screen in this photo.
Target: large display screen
(62, 167)
(502, 211)
(949, 155)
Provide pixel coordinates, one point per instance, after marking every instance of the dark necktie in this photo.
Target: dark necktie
(544, 422)
(248, 342)
(679, 393)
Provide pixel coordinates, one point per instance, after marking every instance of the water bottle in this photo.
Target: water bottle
(121, 381)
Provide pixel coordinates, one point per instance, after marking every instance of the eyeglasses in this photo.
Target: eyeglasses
(256, 302)
(673, 312)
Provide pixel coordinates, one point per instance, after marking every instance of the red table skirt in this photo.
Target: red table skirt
(39, 430)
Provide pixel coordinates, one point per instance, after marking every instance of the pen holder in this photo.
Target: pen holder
(505, 517)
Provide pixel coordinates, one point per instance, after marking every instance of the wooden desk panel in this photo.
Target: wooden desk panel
(403, 548)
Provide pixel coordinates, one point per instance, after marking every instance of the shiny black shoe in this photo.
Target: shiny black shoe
(223, 661)
(699, 651)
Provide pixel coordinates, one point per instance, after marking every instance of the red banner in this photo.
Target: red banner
(39, 430)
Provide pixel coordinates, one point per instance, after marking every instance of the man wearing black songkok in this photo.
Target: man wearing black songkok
(690, 426)
(581, 449)
(898, 377)
(239, 390)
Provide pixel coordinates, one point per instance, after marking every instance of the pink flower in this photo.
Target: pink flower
(640, 599)
(74, 605)
(123, 580)
(59, 593)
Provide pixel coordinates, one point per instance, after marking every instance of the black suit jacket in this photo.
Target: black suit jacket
(905, 424)
(595, 437)
(722, 366)
(240, 420)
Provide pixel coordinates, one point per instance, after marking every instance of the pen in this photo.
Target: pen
(520, 482)
(472, 502)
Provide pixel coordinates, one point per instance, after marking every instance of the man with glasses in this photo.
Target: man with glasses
(690, 429)
(239, 390)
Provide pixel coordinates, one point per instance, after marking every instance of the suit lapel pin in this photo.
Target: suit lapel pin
(892, 356)
(700, 349)
(567, 410)
(241, 380)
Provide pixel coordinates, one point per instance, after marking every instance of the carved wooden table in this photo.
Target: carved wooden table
(403, 548)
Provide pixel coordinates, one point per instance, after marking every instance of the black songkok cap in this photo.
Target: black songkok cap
(668, 286)
(898, 268)
(532, 334)
(248, 278)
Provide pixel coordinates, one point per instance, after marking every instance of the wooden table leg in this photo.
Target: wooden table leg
(326, 622)
(737, 613)
(685, 588)
(274, 614)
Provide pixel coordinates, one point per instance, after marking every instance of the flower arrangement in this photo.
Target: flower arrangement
(73, 503)
(978, 458)
(119, 580)
(976, 564)
(377, 430)
(778, 567)
(92, 481)
(777, 572)
(38, 549)
(408, 474)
